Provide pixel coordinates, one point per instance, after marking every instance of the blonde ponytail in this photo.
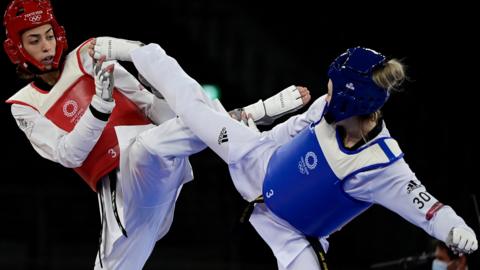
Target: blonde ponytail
(391, 76)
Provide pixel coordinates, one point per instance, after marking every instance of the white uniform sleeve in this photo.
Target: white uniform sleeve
(53, 143)
(397, 188)
(155, 109)
(285, 131)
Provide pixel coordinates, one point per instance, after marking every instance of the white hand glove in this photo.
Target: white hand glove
(114, 48)
(103, 101)
(265, 112)
(242, 118)
(462, 241)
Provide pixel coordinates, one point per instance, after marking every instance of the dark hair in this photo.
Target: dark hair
(24, 73)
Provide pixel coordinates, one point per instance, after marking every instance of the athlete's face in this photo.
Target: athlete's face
(40, 43)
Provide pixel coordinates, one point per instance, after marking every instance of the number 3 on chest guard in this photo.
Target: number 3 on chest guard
(112, 153)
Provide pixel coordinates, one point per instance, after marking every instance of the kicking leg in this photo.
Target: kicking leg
(186, 97)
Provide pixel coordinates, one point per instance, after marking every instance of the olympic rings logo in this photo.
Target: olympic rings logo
(35, 18)
(308, 163)
(311, 160)
(70, 108)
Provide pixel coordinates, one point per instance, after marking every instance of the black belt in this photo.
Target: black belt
(113, 194)
(314, 242)
(319, 252)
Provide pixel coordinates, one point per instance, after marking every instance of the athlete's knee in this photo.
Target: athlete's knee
(139, 154)
(149, 174)
(142, 154)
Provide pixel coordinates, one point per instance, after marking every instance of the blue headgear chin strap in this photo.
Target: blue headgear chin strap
(354, 91)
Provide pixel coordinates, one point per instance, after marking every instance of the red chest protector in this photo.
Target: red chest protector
(65, 104)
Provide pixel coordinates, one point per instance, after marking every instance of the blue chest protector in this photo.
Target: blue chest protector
(304, 180)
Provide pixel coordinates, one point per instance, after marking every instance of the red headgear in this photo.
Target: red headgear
(22, 15)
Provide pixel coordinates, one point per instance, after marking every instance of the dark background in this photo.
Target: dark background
(49, 218)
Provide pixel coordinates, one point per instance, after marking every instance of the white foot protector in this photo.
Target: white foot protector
(265, 112)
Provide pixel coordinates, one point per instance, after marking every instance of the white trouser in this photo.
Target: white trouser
(305, 260)
(153, 167)
(235, 143)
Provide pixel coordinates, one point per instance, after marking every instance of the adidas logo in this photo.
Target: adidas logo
(412, 185)
(223, 137)
(350, 86)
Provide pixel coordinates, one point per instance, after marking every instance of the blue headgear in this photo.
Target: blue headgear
(354, 91)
